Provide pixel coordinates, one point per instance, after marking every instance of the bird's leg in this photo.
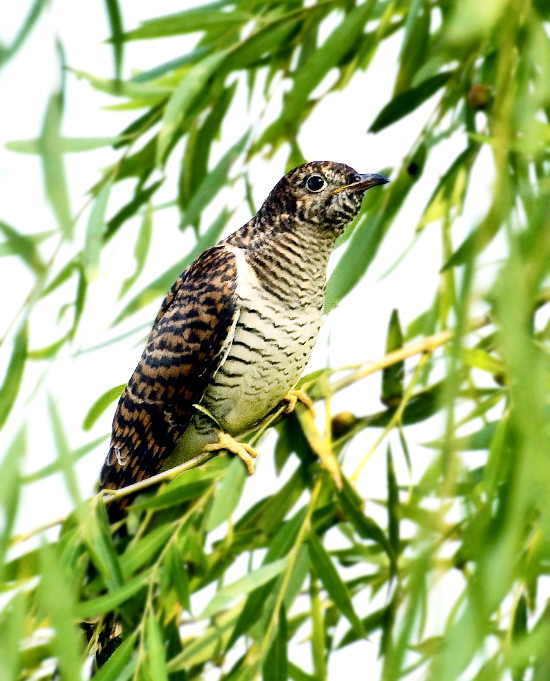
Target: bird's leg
(294, 396)
(245, 452)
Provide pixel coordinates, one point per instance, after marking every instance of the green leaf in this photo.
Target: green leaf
(117, 37)
(57, 603)
(56, 465)
(332, 582)
(12, 633)
(53, 167)
(14, 374)
(120, 665)
(63, 451)
(228, 494)
(109, 601)
(212, 183)
(393, 504)
(141, 248)
(200, 18)
(131, 208)
(66, 145)
(97, 537)
(179, 577)
(189, 88)
(329, 54)
(161, 284)
(155, 650)
(94, 232)
(6, 53)
(227, 594)
(406, 102)
(101, 404)
(393, 376)
(366, 527)
(9, 490)
(188, 485)
(24, 246)
(275, 667)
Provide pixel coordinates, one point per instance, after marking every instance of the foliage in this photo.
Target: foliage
(476, 517)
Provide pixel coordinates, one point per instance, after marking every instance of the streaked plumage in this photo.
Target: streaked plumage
(237, 328)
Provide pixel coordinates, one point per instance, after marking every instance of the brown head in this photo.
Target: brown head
(322, 193)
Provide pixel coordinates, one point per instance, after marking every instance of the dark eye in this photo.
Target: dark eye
(315, 183)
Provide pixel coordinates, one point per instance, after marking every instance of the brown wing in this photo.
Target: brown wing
(183, 351)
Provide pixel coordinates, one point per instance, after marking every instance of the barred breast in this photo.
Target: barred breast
(269, 348)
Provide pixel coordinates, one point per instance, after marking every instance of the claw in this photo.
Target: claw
(244, 451)
(294, 396)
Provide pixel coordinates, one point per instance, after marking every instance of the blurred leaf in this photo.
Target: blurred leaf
(6, 53)
(189, 88)
(141, 249)
(14, 373)
(155, 651)
(10, 490)
(276, 661)
(332, 582)
(66, 145)
(179, 578)
(94, 232)
(406, 102)
(52, 164)
(101, 404)
(103, 604)
(117, 37)
(326, 56)
(211, 184)
(56, 465)
(366, 527)
(57, 604)
(141, 196)
(12, 621)
(161, 284)
(393, 505)
(24, 246)
(65, 461)
(120, 665)
(228, 495)
(189, 21)
(393, 376)
(227, 594)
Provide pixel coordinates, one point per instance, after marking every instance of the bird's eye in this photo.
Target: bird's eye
(315, 183)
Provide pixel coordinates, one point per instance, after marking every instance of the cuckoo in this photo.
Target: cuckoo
(236, 329)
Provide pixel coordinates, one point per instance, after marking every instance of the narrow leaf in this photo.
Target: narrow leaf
(14, 374)
(101, 404)
(117, 38)
(332, 582)
(53, 167)
(189, 88)
(94, 232)
(109, 601)
(155, 650)
(228, 494)
(24, 246)
(242, 586)
(393, 376)
(406, 102)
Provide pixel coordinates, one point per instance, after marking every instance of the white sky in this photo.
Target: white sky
(354, 332)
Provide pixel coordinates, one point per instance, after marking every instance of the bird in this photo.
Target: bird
(236, 330)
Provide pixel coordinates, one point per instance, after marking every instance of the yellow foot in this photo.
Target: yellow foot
(294, 396)
(245, 452)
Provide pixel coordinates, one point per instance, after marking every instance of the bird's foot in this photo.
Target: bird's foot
(294, 396)
(245, 452)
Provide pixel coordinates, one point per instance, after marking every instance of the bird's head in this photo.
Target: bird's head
(322, 193)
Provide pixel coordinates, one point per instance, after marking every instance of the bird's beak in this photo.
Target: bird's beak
(366, 182)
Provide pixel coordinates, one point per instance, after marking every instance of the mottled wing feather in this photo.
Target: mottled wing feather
(184, 350)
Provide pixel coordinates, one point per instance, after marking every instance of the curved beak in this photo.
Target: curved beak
(366, 182)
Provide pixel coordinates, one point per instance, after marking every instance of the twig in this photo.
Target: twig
(424, 345)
